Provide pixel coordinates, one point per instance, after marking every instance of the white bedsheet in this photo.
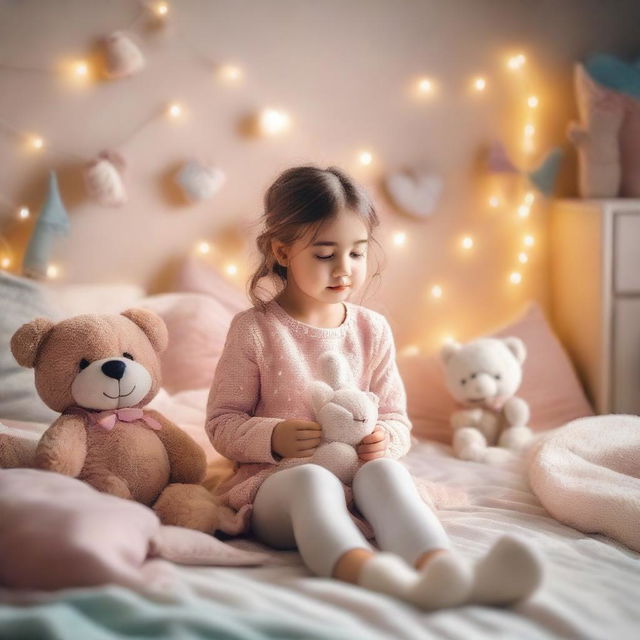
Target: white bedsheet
(591, 589)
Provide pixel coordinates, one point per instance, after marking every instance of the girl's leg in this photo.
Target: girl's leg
(304, 507)
(387, 496)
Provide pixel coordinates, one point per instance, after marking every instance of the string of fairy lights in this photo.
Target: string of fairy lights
(272, 121)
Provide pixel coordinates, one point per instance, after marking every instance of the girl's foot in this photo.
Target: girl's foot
(511, 571)
(444, 582)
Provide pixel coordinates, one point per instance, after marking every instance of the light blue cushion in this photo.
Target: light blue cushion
(21, 301)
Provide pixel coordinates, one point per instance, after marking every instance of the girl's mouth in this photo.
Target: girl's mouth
(339, 288)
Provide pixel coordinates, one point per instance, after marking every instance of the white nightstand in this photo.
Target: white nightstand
(595, 293)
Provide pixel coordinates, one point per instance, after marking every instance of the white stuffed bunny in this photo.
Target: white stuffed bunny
(484, 376)
(345, 413)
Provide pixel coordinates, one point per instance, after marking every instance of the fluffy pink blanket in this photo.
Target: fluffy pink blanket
(587, 475)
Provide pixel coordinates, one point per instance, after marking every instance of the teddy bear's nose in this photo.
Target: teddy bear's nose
(114, 369)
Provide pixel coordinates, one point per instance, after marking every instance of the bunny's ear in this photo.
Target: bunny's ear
(335, 370)
(373, 397)
(321, 393)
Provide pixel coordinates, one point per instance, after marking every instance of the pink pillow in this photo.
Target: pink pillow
(197, 326)
(549, 382)
(58, 532)
(196, 276)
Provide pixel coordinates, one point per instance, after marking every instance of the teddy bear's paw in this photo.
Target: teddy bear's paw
(469, 444)
(497, 455)
(108, 483)
(515, 438)
(187, 505)
(15, 452)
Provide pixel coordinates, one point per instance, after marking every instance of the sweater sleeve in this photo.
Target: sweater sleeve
(231, 426)
(387, 384)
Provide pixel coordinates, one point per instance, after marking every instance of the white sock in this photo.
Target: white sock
(445, 581)
(510, 571)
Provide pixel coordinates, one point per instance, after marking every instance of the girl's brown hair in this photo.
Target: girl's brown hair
(302, 198)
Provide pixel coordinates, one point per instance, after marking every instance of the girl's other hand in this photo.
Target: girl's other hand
(374, 445)
(296, 438)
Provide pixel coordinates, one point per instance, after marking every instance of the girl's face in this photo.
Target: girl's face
(330, 266)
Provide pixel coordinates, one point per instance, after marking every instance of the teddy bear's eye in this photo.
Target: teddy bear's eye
(473, 376)
(127, 355)
(84, 363)
(463, 381)
(497, 376)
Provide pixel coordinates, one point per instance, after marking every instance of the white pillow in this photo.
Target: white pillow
(22, 301)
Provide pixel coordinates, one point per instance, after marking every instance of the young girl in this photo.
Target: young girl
(318, 228)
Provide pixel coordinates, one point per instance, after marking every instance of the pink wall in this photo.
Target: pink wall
(343, 70)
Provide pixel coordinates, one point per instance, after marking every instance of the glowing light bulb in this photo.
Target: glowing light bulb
(204, 248)
(5, 263)
(400, 238)
(529, 198)
(161, 9)
(411, 350)
(529, 240)
(494, 202)
(448, 338)
(52, 271)
(523, 258)
(24, 213)
(425, 86)
(436, 291)
(231, 269)
(366, 158)
(523, 211)
(479, 83)
(273, 121)
(230, 73)
(529, 130)
(81, 69)
(467, 242)
(515, 277)
(175, 110)
(516, 62)
(533, 102)
(36, 142)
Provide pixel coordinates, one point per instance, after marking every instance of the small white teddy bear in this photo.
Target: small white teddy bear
(483, 376)
(345, 413)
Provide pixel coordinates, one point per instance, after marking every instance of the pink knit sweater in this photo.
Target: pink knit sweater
(263, 376)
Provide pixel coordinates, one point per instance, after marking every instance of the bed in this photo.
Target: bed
(590, 588)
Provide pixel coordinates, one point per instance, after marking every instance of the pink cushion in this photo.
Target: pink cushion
(549, 383)
(197, 276)
(59, 532)
(197, 326)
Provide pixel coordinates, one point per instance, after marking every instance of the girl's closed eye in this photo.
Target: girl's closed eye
(353, 255)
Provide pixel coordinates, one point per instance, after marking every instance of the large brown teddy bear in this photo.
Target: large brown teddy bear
(99, 371)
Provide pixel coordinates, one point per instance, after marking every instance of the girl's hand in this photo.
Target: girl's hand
(296, 438)
(374, 445)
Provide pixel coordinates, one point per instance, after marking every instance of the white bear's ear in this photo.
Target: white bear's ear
(516, 346)
(449, 350)
(321, 393)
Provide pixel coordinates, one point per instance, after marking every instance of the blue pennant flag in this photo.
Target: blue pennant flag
(53, 220)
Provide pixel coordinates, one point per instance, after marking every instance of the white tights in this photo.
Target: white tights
(304, 507)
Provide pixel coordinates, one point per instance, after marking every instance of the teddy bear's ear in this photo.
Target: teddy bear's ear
(153, 326)
(516, 346)
(449, 350)
(26, 341)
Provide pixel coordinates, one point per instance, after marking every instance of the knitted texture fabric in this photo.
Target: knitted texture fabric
(263, 377)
